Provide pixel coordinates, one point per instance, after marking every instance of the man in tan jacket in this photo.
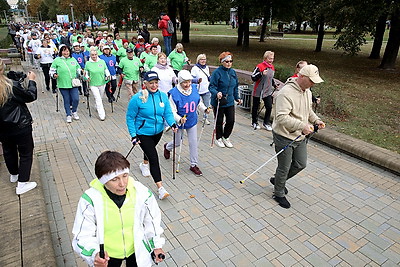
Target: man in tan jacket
(293, 119)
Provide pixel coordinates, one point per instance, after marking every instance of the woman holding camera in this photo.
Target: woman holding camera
(224, 92)
(65, 69)
(16, 128)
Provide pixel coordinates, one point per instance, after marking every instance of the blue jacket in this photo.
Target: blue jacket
(224, 80)
(111, 62)
(148, 118)
(80, 57)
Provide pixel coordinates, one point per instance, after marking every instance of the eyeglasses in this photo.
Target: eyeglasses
(228, 61)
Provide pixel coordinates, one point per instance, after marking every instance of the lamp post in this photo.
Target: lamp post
(72, 14)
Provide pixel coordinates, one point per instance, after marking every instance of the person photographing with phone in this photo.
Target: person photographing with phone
(118, 218)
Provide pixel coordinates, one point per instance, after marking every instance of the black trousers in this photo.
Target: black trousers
(111, 86)
(18, 154)
(148, 144)
(130, 261)
(229, 114)
(268, 108)
(46, 69)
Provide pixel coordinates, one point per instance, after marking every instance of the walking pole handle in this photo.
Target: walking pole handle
(101, 253)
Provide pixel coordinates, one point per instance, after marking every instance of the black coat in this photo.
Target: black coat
(14, 114)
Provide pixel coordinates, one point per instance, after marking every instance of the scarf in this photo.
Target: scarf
(162, 67)
(269, 66)
(201, 66)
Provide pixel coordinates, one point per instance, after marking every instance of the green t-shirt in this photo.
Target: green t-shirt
(177, 60)
(151, 61)
(66, 69)
(121, 53)
(130, 68)
(96, 72)
(118, 43)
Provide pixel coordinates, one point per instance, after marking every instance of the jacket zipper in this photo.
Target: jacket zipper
(123, 235)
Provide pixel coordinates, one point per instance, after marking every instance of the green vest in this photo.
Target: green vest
(118, 223)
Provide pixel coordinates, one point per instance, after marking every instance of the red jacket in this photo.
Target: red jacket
(163, 25)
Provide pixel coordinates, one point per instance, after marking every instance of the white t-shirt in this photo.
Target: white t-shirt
(46, 54)
(201, 73)
(166, 76)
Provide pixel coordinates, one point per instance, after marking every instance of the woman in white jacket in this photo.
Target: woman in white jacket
(104, 218)
(201, 71)
(165, 73)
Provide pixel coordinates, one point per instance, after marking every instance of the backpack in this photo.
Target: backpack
(170, 27)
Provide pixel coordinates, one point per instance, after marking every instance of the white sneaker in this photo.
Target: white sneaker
(145, 169)
(24, 187)
(75, 116)
(102, 118)
(208, 122)
(227, 142)
(162, 193)
(69, 119)
(256, 126)
(219, 143)
(267, 127)
(13, 178)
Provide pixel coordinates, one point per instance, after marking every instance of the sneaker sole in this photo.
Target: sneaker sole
(165, 196)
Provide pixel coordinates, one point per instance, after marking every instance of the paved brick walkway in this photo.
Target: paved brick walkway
(344, 212)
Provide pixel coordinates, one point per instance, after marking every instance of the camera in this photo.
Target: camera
(18, 76)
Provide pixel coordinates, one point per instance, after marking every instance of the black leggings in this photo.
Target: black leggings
(130, 261)
(111, 86)
(148, 144)
(46, 69)
(268, 108)
(229, 113)
(18, 154)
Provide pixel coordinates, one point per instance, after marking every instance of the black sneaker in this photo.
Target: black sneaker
(54, 91)
(282, 201)
(272, 181)
(113, 98)
(110, 100)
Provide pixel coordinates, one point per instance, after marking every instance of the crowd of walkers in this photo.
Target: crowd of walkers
(163, 94)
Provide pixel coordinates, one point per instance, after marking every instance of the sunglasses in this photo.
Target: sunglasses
(228, 61)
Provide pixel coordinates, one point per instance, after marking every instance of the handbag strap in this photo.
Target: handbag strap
(204, 72)
(70, 75)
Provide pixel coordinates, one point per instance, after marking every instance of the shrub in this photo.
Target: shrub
(6, 42)
(283, 72)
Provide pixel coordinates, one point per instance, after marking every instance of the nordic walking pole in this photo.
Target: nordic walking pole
(101, 253)
(119, 87)
(173, 156)
(265, 163)
(127, 155)
(57, 110)
(202, 126)
(215, 125)
(180, 145)
(87, 98)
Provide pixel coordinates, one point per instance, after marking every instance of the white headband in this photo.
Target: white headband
(111, 175)
(226, 58)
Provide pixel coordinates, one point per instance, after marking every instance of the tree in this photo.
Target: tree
(393, 44)
(184, 16)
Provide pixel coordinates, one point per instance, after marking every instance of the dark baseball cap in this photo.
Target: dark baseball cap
(150, 75)
(129, 50)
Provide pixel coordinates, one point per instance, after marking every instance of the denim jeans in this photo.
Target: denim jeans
(71, 98)
(167, 44)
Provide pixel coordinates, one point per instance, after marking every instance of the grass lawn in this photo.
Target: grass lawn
(358, 99)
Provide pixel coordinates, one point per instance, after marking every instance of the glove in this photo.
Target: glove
(174, 126)
(135, 140)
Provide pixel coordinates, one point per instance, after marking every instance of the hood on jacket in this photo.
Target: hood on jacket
(165, 17)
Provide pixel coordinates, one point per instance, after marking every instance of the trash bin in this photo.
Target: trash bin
(245, 95)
